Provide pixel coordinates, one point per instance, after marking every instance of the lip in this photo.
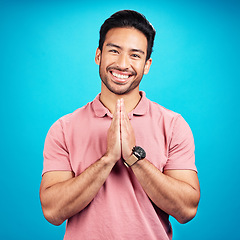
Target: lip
(122, 81)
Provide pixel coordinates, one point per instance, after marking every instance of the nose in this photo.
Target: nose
(123, 61)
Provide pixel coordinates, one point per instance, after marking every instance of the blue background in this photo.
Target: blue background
(47, 67)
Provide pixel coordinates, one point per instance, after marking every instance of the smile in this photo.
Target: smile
(120, 76)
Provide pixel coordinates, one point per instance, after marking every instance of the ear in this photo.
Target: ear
(98, 56)
(147, 66)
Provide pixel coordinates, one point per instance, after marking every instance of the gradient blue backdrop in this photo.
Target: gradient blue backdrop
(47, 70)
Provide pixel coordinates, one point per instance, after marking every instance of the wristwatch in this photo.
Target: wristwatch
(138, 153)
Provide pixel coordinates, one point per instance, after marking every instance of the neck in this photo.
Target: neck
(109, 99)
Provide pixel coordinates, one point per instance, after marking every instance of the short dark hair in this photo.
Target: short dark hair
(129, 18)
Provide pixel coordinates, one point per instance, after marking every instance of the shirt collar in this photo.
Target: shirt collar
(101, 111)
(142, 107)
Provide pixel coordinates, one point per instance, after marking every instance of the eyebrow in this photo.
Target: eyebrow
(132, 50)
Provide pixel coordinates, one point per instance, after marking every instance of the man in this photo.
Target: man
(119, 166)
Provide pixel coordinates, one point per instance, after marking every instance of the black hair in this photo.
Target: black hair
(129, 18)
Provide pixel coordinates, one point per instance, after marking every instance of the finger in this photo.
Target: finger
(113, 140)
(127, 133)
(116, 115)
(125, 123)
(124, 116)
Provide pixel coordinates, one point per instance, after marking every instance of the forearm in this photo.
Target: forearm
(175, 197)
(65, 199)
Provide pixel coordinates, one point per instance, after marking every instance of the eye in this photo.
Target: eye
(134, 55)
(113, 51)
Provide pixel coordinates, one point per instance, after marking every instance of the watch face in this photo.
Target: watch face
(139, 152)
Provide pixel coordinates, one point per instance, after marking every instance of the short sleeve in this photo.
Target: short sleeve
(55, 153)
(181, 153)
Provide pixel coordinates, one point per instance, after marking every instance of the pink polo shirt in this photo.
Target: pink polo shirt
(121, 209)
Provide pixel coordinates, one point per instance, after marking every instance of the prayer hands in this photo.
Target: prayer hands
(121, 137)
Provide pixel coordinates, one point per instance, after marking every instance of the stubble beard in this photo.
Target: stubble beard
(121, 90)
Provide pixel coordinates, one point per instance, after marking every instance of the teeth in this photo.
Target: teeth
(120, 76)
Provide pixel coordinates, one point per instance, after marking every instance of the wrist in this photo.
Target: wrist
(108, 159)
(138, 153)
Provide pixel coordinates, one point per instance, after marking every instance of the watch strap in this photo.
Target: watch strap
(131, 161)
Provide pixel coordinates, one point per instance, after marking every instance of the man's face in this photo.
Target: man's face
(122, 61)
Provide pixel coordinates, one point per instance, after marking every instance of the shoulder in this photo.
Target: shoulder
(158, 111)
(72, 118)
(170, 120)
(77, 113)
(164, 111)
